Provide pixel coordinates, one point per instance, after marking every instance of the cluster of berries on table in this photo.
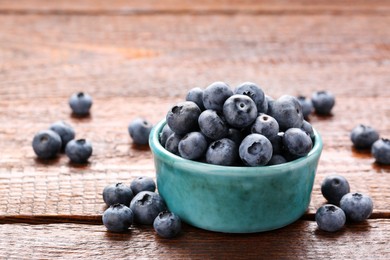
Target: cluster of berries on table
(138, 203)
(365, 137)
(240, 126)
(342, 204)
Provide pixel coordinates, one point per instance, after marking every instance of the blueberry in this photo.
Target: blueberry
(46, 144)
(139, 130)
(183, 117)
(212, 124)
(117, 194)
(193, 146)
(80, 103)
(172, 143)
(239, 111)
(287, 111)
(64, 130)
(363, 136)
(334, 187)
(330, 218)
(255, 93)
(222, 152)
(255, 150)
(323, 102)
(196, 95)
(167, 224)
(269, 101)
(79, 150)
(307, 106)
(297, 142)
(142, 184)
(235, 135)
(357, 206)
(118, 218)
(381, 151)
(265, 125)
(165, 133)
(308, 128)
(277, 159)
(277, 143)
(146, 205)
(214, 95)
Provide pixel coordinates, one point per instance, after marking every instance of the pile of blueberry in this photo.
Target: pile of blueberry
(47, 144)
(138, 203)
(343, 205)
(365, 137)
(243, 126)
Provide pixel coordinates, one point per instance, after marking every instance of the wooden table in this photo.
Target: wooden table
(138, 58)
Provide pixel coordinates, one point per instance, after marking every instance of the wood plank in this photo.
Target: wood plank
(121, 7)
(301, 240)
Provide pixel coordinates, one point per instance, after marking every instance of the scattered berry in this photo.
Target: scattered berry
(334, 187)
(381, 151)
(323, 102)
(117, 194)
(64, 130)
(139, 130)
(118, 218)
(363, 136)
(330, 218)
(79, 150)
(357, 206)
(167, 224)
(146, 205)
(80, 103)
(46, 144)
(142, 184)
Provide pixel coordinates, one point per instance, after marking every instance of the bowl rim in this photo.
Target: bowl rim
(212, 169)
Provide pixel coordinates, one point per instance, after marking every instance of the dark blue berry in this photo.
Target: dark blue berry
(222, 152)
(79, 150)
(307, 106)
(334, 187)
(46, 144)
(265, 125)
(323, 102)
(165, 133)
(239, 111)
(308, 128)
(172, 143)
(277, 143)
(118, 218)
(363, 136)
(253, 91)
(214, 95)
(277, 159)
(80, 103)
(139, 130)
(64, 130)
(193, 146)
(255, 150)
(117, 193)
(146, 205)
(330, 218)
(287, 111)
(167, 224)
(142, 184)
(212, 124)
(297, 142)
(183, 117)
(235, 135)
(357, 206)
(196, 95)
(381, 151)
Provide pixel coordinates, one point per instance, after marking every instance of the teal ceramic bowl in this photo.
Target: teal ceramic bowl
(234, 199)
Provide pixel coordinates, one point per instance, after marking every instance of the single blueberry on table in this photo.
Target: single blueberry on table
(64, 130)
(222, 152)
(80, 103)
(255, 150)
(117, 193)
(215, 94)
(183, 117)
(167, 224)
(239, 111)
(287, 111)
(357, 206)
(363, 136)
(330, 218)
(118, 218)
(196, 95)
(79, 150)
(165, 133)
(307, 106)
(142, 184)
(381, 151)
(265, 125)
(323, 102)
(334, 187)
(253, 91)
(139, 130)
(146, 205)
(213, 125)
(297, 142)
(46, 144)
(172, 143)
(193, 146)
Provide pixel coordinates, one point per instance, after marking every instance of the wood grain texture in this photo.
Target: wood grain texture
(301, 240)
